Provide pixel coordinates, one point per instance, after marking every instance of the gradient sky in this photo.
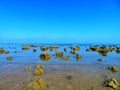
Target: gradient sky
(60, 21)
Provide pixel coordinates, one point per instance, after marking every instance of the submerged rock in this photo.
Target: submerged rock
(113, 68)
(37, 84)
(38, 70)
(9, 58)
(100, 60)
(45, 56)
(112, 83)
(33, 45)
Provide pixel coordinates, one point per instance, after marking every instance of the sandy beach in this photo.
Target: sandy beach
(13, 76)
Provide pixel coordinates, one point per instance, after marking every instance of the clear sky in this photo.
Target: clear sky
(60, 21)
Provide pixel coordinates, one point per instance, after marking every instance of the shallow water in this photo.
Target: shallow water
(33, 57)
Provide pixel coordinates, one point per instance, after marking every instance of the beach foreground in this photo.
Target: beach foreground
(13, 76)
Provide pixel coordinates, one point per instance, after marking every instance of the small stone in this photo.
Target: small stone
(9, 58)
(69, 77)
(27, 68)
(100, 60)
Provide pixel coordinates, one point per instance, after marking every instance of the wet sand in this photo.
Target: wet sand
(13, 76)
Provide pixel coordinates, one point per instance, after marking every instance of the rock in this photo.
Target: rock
(27, 68)
(53, 47)
(113, 68)
(58, 54)
(65, 57)
(65, 50)
(25, 47)
(1, 50)
(103, 52)
(44, 48)
(78, 56)
(34, 49)
(100, 60)
(33, 45)
(77, 48)
(45, 56)
(94, 48)
(118, 50)
(69, 77)
(37, 84)
(6, 52)
(111, 49)
(38, 70)
(88, 49)
(72, 52)
(15, 52)
(9, 58)
(112, 83)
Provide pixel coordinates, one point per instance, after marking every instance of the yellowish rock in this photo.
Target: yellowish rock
(44, 48)
(59, 54)
(45, 56)
(28, 68)
(38, 84)
(78, 56)
(38, 70)
(25, 47)
(6, 52)
(65, 57)
(9, 58)
(1, 50)
(113, 68)
(112, 83)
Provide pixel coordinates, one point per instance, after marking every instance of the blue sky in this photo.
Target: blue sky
(60, 21)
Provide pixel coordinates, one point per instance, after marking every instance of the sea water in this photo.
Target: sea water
(29, 56)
